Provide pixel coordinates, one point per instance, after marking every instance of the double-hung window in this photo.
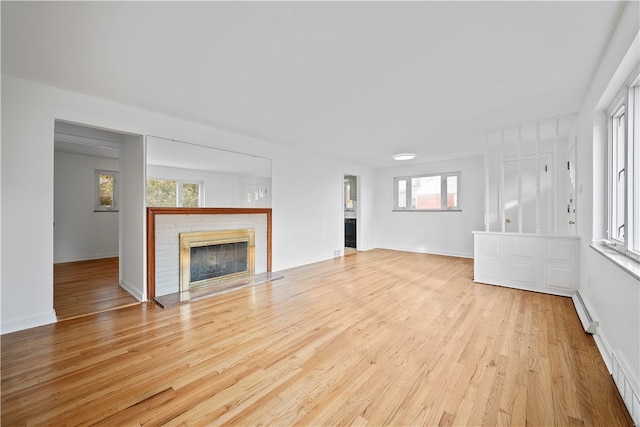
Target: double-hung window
(429, 192)
(106, 191)
(623, 170)
(174, 193)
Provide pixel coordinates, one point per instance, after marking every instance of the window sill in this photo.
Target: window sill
(629, 265)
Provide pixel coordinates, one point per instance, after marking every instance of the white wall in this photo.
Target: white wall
(446, 233)
(311, 190)
(613, 294)
(132, 233)
(308, 223)
(79, 232)
(27, 212)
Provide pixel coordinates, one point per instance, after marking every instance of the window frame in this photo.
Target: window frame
(97, 207)
(614, 170)
(179, 183)
(443, 192)
(626, 103)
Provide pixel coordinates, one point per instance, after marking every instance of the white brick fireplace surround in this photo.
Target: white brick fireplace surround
(164, 226)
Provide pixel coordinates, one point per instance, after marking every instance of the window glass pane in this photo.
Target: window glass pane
(620, 141)
(190, 195)
(635, 203)
(452, 191)
(618, 177)
(432, 192)
(162, 193)
(425, 192)
(106, 191)
(402, 194)
(619, 207)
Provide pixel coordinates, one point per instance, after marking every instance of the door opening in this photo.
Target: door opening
(350, 198)
(87, 221)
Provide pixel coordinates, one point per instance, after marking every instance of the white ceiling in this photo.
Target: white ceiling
(355, 80)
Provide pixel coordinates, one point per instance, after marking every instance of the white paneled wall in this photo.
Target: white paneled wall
(532, 262)
(629, 396)
(169, 227)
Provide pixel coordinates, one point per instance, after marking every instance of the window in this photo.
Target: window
(106, 191)
(168, 193)
(623, 170)
(434, 192)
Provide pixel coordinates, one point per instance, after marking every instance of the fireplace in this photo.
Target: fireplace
(212, 257)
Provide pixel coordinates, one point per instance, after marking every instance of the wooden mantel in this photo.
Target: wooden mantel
(151, 234)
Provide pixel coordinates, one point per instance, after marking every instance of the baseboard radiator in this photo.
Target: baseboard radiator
(589, 323)
(629, 396)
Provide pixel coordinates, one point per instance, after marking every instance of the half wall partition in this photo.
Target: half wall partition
(528, 209)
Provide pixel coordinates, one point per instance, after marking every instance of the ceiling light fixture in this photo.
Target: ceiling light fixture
(404, 156)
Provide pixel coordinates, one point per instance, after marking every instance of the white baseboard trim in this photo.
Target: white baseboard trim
(619, 374)
(428, 251)
(137, 294)
(278, 267)
(85, 258)
(585, 313)
(603, 347)
(557, 292)
(14, 325)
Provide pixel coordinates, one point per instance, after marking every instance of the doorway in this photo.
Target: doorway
(87, 221)
(350, 207)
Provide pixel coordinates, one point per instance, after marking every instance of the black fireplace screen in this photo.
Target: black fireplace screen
(218, 260)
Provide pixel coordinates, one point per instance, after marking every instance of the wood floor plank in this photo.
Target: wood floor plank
(88, 287)
(376, 338)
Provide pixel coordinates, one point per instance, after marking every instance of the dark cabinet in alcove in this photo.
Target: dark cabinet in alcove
(350, 232)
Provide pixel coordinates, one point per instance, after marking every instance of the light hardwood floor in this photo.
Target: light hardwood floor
(88, 287)
(375, 338)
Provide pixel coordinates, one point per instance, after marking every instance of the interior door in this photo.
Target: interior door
(528, 174)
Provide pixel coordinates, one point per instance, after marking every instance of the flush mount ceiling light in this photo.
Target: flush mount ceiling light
(404, 156)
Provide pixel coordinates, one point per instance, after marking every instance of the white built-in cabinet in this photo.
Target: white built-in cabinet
(534, 262)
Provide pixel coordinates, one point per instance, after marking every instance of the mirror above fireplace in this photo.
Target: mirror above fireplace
(223, 178)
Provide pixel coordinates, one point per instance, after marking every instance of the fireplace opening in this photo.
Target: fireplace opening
(212, 257)
(212, 261)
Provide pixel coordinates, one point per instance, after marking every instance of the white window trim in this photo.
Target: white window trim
(612, 114)
(116, 186)
(443, 192)
(624, 99)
